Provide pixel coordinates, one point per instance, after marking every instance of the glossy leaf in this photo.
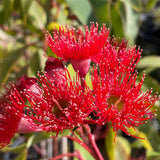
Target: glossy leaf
(82, 9)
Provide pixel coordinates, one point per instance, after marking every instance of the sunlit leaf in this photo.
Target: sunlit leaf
(88, 80)
(149, 61)
(35, 138)
(22, 155)
(152, 155)
(109, 143)
(73, 74)
(142, 138)
(17, 149)
(101, 10)
(63, 14)
(150, 4)
(84, 153)
(130, 24)
(71, 71)
(82, 9)
(37, 15)
(122, 149)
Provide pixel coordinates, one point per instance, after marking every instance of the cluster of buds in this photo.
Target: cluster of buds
(53, 101)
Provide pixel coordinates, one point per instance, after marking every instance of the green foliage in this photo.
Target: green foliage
(23, 24)
(110, 144)
(82, 9)
(149, 61)
(83, 152)
(22, 155)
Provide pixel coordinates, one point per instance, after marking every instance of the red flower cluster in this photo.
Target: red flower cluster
(54, 101)
(117, 97)
(72, 45)
(12, 104)
(63, 105)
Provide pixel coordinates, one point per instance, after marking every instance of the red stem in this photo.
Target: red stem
(91, 138)
(81, 143)
(75, 154)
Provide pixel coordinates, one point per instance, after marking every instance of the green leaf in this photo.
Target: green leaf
(9, 62)
(83, 152)
(122, 149)
(149, 61)
(73, 74)
(152, 134)
(82, 9)
(150, 4)
(6, 12)
(50, 52)
(110, 144)
(143, 141)
(36, 138)
(101, 11)
(16, 5)
(37, 15)
(152, 155)
(130, 22)
(35, 64)
(25, 4)
(22, 156)
(71, 71)
(65, 132)
(88, 80)
(17, 149)
(63, 14)
(137, 5)
(116, 20)
(151, 82)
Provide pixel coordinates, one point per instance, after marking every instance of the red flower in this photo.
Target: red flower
(11, 108)
(62, 106)
(117, 97)
(71, 44)
(12, 104)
